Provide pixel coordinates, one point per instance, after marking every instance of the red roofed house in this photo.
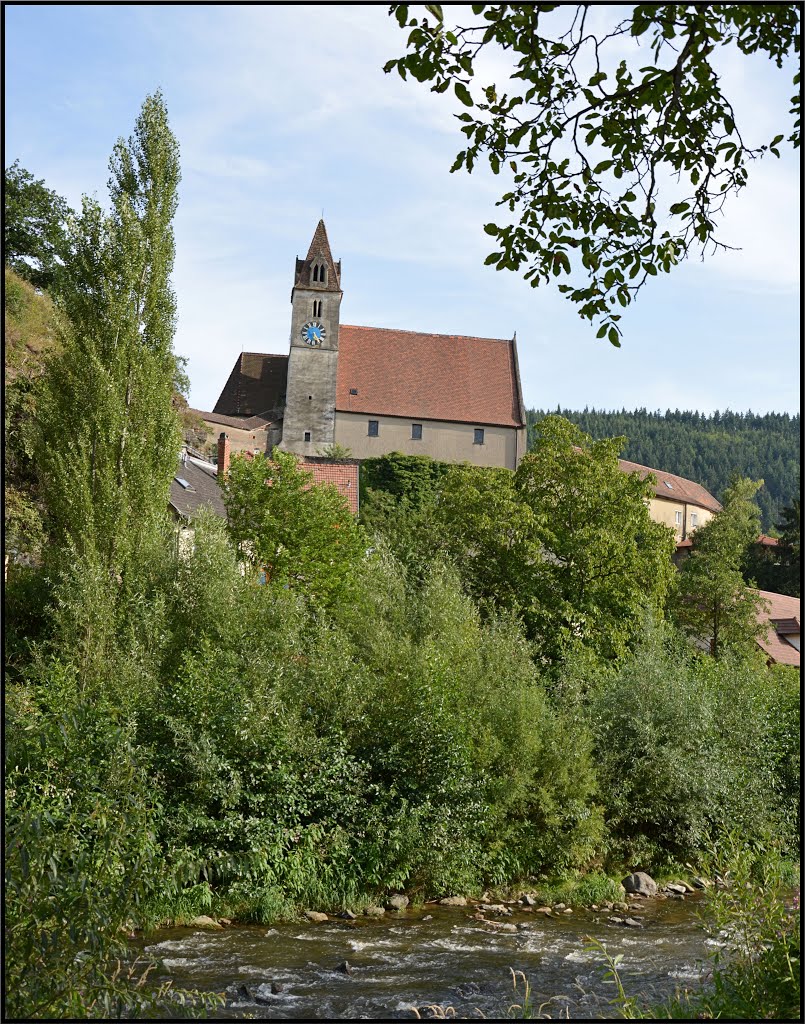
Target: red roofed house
(782, 642)
(374, 390)
(679, 503)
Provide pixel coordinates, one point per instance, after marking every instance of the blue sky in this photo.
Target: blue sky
(284, 111)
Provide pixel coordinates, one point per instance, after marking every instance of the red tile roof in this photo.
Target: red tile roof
(783, 611)
(674, 488)
(341, 473)
(240, 422)
(428, 376)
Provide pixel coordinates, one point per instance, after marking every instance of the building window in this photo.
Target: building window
(317, 308)
(694, 519)
(316, 272)
(307, 435)
(416, 431)
(373, 428)
(479, 435)
(678, 518)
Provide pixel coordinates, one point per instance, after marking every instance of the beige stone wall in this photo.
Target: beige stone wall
(664, 511)
(448, 442)
(239, 440)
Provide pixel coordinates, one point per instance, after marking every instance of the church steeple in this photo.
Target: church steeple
(309, 419)
(318, 269)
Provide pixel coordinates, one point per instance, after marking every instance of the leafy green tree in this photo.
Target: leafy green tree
(489, 533)
(790, 550)
(602, 559)
(713, 604)
(602, 155)
(299, 534)
(108, 436)
(33, 227)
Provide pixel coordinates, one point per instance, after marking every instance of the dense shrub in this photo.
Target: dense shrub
(687, 747)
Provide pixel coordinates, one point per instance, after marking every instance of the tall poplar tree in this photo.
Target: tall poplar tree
(109, 435)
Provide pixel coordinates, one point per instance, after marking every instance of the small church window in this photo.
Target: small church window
(479, 435)
(373, 428)
(307, 435)
(416, 431)
(316, 272)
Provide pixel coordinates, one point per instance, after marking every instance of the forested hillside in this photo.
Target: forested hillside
(707, 449)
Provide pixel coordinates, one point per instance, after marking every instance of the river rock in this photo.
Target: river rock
(374, 911)
(399, 902)
(529, 899)
(204, 922)
(542, 910)
(559, 906)
(428, 917)
(641, 883)
(568, 910)
(615, 920)
(315, 916)
(495, 908)
(453, 901)
(631, 923)
(676, 887)
(344, 968)
(263, 998)
(501, 926)
(347, 915)
(701, 883)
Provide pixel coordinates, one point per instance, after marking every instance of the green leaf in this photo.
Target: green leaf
(491, 229)
(463, 93)
(613, 337)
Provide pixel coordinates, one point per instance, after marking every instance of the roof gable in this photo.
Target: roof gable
(428, 376)
(256, 386)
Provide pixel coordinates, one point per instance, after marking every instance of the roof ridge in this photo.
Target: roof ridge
(424, 334)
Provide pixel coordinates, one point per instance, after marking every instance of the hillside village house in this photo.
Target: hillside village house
(782, 643)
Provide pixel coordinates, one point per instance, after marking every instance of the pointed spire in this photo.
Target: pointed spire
(319, 253)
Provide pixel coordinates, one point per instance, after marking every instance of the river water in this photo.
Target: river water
(435, 956)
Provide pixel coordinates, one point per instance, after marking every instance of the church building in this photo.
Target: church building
(373, 390)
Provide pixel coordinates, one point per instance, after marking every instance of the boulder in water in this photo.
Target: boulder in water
(641, 883)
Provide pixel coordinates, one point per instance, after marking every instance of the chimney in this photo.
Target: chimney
(223, 455)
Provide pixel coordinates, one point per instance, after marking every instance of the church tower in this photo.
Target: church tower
(309, 418)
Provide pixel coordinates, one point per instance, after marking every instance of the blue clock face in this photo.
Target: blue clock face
(313, 333)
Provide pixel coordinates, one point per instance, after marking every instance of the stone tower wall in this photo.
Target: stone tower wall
(310, 394)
